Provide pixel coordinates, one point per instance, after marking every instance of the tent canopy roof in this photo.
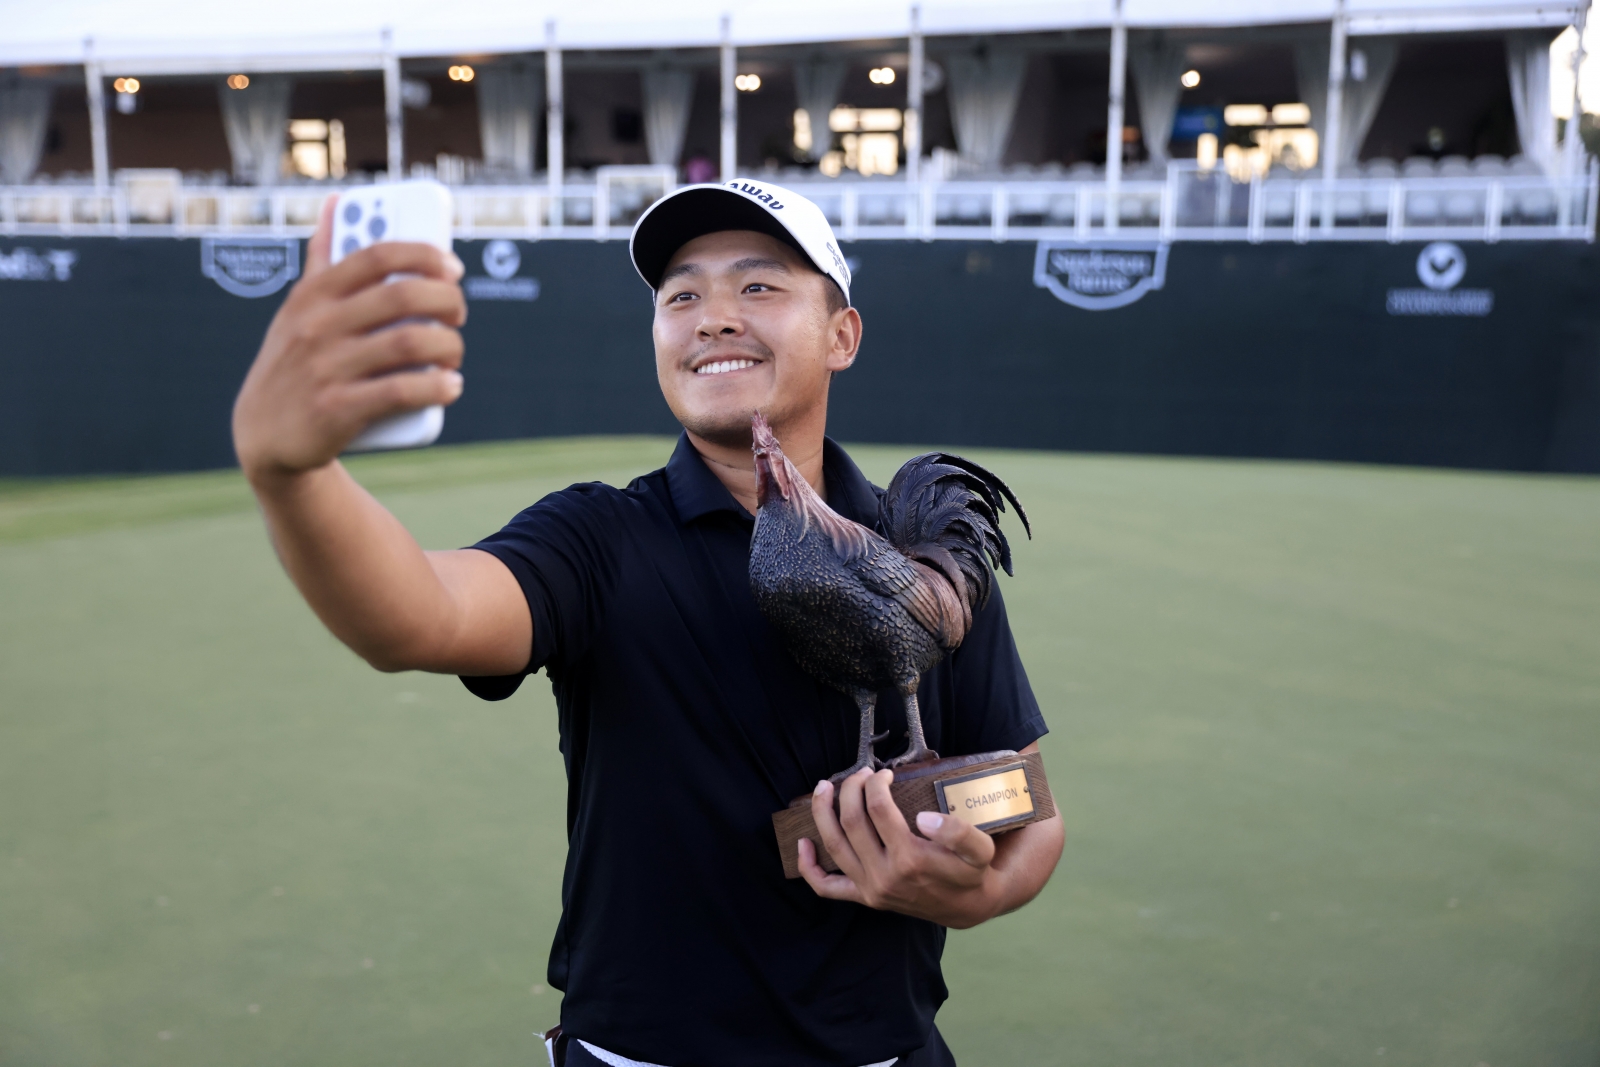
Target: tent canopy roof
(201, 36)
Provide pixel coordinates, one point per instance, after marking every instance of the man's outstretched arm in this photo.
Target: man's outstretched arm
(318, 381)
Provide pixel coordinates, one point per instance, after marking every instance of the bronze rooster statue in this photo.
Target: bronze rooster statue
(860, 611)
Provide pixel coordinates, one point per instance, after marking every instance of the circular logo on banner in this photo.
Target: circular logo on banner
(501, 259)
(1441, 265)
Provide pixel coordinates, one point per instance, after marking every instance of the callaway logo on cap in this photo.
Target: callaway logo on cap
(696, 210)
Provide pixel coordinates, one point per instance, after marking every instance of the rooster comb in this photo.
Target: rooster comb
(761, 435)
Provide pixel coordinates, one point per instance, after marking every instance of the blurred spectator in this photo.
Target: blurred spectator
(699, 169)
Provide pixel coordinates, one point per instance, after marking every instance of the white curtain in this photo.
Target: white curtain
(1156, 64)
(509, 101)
(1528, 65)
(1311, 76)
(256, 120)
(24, 117)
(1364, 95)
(984, 89)
(816, 90)
(1370, 63)
(668, 99)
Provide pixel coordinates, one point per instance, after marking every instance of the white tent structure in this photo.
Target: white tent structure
(196, 36)
(192, 37)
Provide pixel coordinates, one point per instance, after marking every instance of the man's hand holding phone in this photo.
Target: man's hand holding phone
(324, 371)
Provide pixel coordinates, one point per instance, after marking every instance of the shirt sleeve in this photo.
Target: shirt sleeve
(561, 556)
(990, 686)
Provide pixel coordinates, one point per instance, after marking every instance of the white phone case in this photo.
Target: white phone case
(395, 211)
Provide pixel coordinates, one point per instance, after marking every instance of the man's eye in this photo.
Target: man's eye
(678, 298)
(758, 287)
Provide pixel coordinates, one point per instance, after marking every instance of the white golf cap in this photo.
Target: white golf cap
(745, 204)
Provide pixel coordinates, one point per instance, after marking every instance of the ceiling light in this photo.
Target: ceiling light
(462, 73)
(1245, 115)
(881, 75)
(1190, 79)
(125, 85)
(238, 81)
(865, 119)
(747, 83)
(308, 130)
(1292, 115)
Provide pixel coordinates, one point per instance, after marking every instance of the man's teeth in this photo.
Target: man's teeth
(724, 366)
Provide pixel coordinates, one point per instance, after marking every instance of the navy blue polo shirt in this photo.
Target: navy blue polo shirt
(684, 725)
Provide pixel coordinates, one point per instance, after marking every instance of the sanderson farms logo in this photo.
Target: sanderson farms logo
(1101, 276)
(250, 266)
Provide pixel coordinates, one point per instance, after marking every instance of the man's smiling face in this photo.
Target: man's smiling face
(743, 323)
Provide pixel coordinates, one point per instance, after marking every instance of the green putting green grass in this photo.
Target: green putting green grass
(1327, 740)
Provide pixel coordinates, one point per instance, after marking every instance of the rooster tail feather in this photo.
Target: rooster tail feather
(991, 482)
(944, 501)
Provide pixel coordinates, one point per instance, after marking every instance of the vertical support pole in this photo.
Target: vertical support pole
(100, 145)
(555, 120)
(1572, 145)
(1258, 210)
(1592, 180)
(730, 105)
(914, 100)
(1119, 81)
(1335, 112)
(393, 116)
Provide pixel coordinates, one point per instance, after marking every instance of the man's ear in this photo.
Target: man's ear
(845, 339)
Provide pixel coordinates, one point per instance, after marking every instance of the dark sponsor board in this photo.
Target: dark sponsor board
(131, 361)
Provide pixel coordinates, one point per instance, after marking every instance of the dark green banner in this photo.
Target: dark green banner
(124, 355)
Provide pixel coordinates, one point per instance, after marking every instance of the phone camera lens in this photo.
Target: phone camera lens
(352, 214)
(351, 244)
(376, 227)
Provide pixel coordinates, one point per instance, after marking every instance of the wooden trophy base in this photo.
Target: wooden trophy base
(994, 791)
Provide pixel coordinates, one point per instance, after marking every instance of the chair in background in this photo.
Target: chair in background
(1375, 198)
(873, 210)
(1423, 207)
(1348, 206)
(1460, 207)
(1533, 203)
(1028, 206)
(1063, 210)
(1278, 191)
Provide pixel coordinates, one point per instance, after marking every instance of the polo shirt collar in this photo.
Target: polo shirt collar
(696, 492)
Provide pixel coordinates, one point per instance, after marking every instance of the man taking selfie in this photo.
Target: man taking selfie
(684, 722)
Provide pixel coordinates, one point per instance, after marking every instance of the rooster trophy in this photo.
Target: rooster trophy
(861, 612)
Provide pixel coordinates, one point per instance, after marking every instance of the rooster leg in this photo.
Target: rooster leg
(867, 701)
(919, 750)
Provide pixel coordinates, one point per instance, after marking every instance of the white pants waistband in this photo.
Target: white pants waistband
(622, 1061)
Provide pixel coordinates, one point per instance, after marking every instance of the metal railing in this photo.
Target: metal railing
(1190, 204)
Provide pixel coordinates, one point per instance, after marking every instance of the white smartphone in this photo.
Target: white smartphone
(394, 211)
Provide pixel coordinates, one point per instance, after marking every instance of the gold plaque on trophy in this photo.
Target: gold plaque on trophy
(988, 799)
(994, 791)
